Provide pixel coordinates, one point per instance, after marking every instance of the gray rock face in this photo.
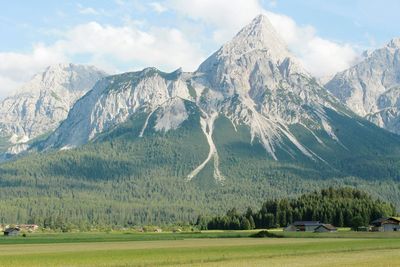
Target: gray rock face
(388, 116)
(113, 100)
(41, 104)
(252, 80)
(255, 80)
(371, 88)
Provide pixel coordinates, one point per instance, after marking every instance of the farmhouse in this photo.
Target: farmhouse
(303, 226)
(12, 231)
(310, 226)
(386, 224)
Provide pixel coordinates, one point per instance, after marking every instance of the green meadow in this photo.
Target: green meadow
(210, 248)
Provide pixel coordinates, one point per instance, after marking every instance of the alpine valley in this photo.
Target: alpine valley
(150, 147)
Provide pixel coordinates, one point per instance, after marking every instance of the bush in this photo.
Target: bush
(265, 233)
(357, 223)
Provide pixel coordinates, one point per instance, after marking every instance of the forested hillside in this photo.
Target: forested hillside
(122, 180)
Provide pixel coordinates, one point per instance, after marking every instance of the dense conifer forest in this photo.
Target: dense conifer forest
(342, 207)
(121, 180)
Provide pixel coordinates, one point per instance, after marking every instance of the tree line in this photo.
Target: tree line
(342, 207)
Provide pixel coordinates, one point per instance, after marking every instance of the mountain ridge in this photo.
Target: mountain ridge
(38, 106)
(371, 88)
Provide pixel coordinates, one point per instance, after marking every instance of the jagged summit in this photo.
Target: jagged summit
(394, 43)
(256, 51)
(371, 88)
(259, 34)
(39, 105)
(75, 77)
(67, 66)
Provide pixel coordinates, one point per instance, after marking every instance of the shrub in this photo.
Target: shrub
(265, 233)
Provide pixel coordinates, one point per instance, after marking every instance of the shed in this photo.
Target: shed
(12, 231)
(303, 226)
(389, 224)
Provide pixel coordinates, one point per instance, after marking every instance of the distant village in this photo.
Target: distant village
(390, 224)
(387, 224)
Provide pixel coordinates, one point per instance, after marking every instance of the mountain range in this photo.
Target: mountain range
(253, 82)
(250, 123)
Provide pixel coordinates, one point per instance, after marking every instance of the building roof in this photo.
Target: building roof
(382, 220)
(378, 221)
(395, 218)
(11, 229)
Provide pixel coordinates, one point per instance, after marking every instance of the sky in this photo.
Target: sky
(128, 35)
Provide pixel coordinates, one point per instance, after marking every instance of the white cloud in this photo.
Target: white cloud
(16, 68)
(226, 16)
(273, 3)
(320, 56)
(107, 46)
(87, 10)
(158, 7)
(161, 47)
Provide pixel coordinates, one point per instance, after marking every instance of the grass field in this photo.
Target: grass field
(201, 249)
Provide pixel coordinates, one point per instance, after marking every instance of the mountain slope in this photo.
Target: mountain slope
(120, 179)
(113, 100)
(41, 104)
(372, 87)
(253, 82)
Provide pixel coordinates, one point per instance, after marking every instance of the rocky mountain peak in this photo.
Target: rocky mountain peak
(259, 34)
(39, 105)
(394, 43)
(371, 87)
(255, 59)
(65, 76)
